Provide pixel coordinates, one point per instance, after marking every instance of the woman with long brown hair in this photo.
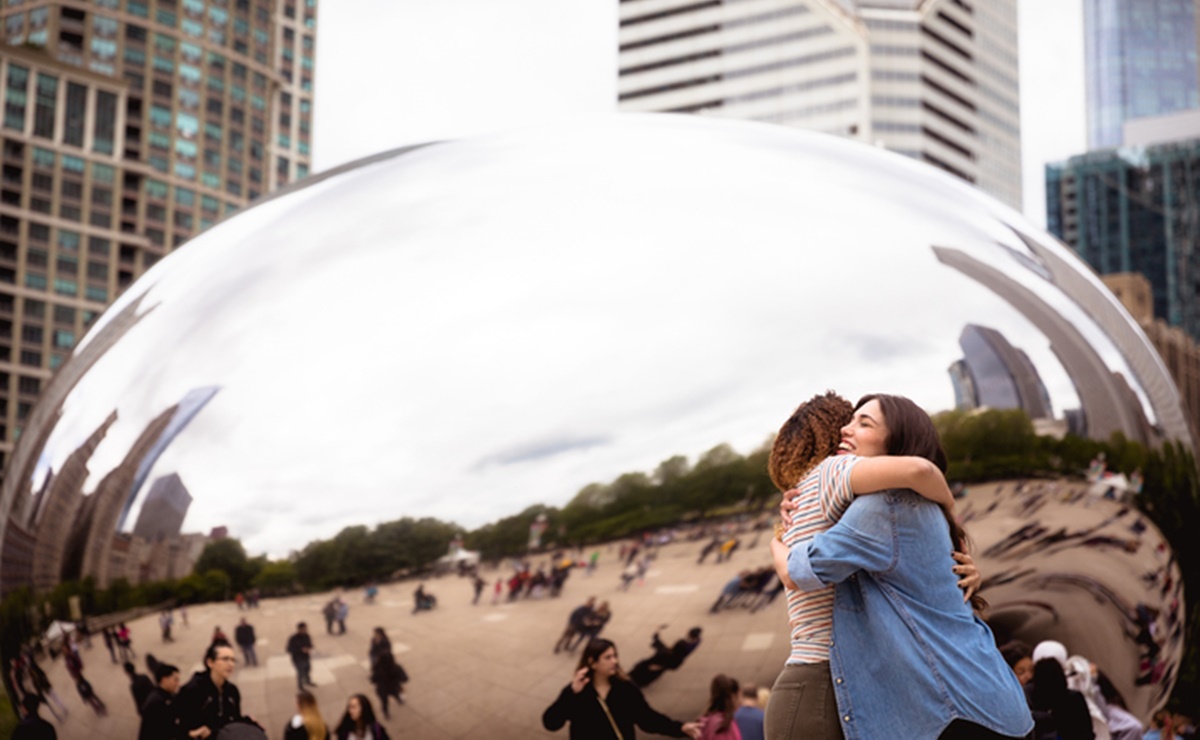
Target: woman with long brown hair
(601, 702)
(907, 656)
(717, 722)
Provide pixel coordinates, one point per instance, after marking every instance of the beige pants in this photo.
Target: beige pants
(802, 705)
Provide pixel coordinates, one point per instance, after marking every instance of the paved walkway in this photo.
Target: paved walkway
(484, 671)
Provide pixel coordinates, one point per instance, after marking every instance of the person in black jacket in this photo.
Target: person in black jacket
(1058, 712)
(140, 686)
(665, 658)
(601, 701)
(210, 699)
(300, 647)
(244, 636)
(33, 727)
(160, 712)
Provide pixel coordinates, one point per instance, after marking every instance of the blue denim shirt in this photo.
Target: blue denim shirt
(907, 656)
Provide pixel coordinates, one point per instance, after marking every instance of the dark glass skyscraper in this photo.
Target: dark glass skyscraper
(1140, 60)
(1136, 210)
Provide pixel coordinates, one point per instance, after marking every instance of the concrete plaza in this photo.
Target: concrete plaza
(476, 671)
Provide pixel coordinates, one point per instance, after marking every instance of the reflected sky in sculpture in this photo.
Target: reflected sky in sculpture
(463, 329)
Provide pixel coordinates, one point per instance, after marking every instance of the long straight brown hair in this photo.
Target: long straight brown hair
(911, 432)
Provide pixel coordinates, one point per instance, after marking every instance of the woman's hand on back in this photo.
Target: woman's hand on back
(788, 505)
(969, 577)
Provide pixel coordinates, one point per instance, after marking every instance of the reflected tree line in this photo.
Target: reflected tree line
(981, 446)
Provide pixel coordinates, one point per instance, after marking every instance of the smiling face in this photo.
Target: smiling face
(605, 664)
(866, 434)
(354, 708)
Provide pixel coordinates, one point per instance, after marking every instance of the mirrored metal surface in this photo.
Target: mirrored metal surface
(463, 329)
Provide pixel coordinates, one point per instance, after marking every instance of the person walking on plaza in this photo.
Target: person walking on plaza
(125, 642)
(387, 675)
(307, 723)
(593, 624)
(329, 611)
(44, 690)
(88, 695)
(210, 700)
(575, 623)
(110, 642)
(32, 726)
(750, 716)
(160, 712)
(343, 611)
(478, 584)
(300, 647)
(601, 702)
(140, 686)
(245, 638)
(219, 637)
(165, 620)
(358, 723)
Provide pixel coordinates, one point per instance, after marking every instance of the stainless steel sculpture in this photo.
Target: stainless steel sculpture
(465, 328)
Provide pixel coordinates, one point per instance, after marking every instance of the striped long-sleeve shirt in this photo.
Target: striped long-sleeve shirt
(825, 494)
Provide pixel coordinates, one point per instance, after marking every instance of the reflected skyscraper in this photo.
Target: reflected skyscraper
(128, 127)
(995, 374)
(164, 510)
(936, 81)
(1140, 60)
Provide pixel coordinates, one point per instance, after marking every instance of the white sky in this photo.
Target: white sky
(451, 69)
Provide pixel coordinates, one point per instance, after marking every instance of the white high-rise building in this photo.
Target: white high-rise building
(932, 79)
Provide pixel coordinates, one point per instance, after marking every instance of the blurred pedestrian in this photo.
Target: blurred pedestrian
(575, 623)
(219, 637)
(88, 694)
(160, 712)
(601, 702)
(749, 717)
(1058, 711)
(358, 723)
(245, 637)
(210, 700)
(343, 611)
(45, 691)
(478, 584)
(664, 658)
(125, 642)
(307, 723)
(300, 647)
(110, 642)
(387, 675)
(140, 686)
(717, 722)
(329, 611)
(165, 620)
(32, 726)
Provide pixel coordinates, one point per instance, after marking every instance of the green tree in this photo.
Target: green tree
(276, 577)
(228, 556)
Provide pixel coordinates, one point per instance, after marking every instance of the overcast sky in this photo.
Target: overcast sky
(451, 69)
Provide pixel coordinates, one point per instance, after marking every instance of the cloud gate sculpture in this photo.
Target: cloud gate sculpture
(462, 329)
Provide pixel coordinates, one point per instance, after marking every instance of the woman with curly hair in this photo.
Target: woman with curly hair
(887, 640)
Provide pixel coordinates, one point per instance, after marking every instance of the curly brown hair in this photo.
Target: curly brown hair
(810, 435)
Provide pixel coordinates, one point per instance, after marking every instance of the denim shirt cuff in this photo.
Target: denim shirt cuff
(800, 569)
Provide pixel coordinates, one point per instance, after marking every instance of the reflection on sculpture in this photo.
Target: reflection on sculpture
(463, 329)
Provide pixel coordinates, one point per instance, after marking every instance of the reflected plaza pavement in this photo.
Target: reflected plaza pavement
(490, 671)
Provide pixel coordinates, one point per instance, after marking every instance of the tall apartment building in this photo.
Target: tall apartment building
(1136, 209)
(1139, 60)
(1179, 351)
(932, 79)
(128, 127)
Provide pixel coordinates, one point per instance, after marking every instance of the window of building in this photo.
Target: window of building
(72, 164)
(68, 241)
(99, 245)
(15, 97)
(37, 258)
(31, 334)
(67, 266)
(64, 339)
(29, 386)
(62, 286)
(137, 7)
(64, 315)
(44, 105)
(29, 358)
(76, 111)
(105, 132)
(43, 158)
(35, 309)
(96, 293)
